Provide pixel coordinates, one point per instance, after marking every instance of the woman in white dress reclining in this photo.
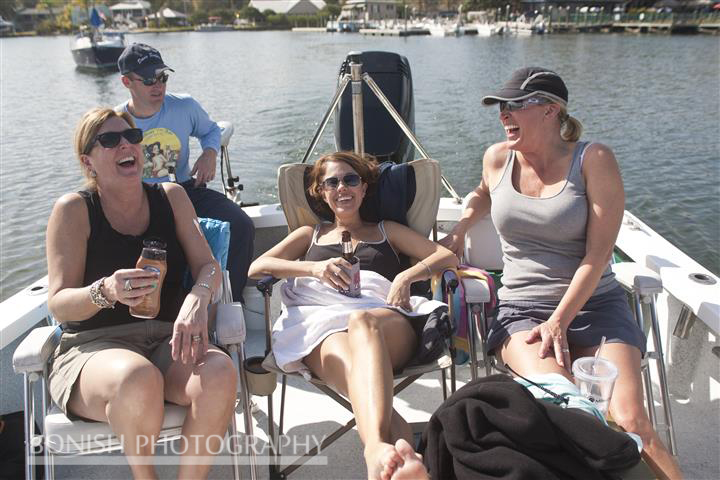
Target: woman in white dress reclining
(355, 354)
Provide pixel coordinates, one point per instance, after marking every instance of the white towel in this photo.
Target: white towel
(313, 310)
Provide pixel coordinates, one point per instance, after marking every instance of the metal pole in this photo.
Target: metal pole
(404, 127)
(323, 123)
(657, 343)
(29, 417)
(357, 103)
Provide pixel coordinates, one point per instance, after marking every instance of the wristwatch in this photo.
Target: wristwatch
(97, 297)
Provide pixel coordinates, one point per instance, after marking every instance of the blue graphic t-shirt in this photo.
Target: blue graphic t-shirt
(166, 140)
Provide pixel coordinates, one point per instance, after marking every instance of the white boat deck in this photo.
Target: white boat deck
(694, 376)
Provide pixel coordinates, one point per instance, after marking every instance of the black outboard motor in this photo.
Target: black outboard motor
(383, 137)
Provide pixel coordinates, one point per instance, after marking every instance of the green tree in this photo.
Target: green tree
(330, 10)
(199, 17)
(226, 16)
(278, 21)
(252, 14)
(7, 9)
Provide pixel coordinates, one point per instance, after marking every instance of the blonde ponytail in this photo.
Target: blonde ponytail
(570, 127)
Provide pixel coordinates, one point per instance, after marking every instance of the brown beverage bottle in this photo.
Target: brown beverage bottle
(353, 289)
(152, 259)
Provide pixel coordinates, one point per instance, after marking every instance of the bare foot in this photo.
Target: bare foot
(382, 460)
(412, 467)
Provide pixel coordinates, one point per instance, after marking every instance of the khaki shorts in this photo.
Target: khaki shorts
(149, 338)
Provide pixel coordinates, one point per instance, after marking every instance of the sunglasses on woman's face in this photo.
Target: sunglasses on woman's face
(349, 180)
(112, 139)
(513, 106)
(149, 82)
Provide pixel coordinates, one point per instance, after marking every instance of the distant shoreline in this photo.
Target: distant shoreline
(33, 33)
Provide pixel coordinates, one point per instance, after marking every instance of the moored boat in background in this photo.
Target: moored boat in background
(96, 48)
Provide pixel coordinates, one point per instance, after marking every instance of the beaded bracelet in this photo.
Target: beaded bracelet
(97, 297)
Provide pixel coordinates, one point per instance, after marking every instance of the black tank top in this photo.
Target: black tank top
(109, 250)
(379, 257)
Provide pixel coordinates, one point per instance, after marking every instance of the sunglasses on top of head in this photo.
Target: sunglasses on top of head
(349, 180)
(112, 139)
(513, 106)
(149, 82)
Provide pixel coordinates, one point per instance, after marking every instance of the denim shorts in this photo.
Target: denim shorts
(607, 314)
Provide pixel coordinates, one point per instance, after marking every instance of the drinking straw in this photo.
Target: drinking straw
(597, 353)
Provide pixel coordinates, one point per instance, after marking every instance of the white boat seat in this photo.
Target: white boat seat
(638, 278)
(226, 132)
(72, 437)
(476, 291)
(34, 351)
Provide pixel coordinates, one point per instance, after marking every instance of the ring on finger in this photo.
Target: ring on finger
(128, 286)
(196, 338)
(565, 350)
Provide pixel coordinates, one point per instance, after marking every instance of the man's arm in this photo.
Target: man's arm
(208, 132)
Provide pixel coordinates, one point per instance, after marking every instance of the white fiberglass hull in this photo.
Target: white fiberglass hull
(692, 363)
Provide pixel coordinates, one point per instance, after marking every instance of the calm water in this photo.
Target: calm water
(654, 99)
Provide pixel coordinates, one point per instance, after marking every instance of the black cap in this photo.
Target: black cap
(530, 81)
(142, 60)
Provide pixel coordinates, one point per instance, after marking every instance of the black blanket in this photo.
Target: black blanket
(494, 428)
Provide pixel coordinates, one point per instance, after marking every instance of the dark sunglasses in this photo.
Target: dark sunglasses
(149, 82)
(513, 106)
(112, 139)
(349, 180)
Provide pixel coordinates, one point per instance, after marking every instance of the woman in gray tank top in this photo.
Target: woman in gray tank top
(557, 204)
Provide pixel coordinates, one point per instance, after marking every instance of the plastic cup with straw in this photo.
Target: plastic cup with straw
(595, 377)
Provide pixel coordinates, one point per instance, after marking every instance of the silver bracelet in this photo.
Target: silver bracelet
(97, 297)
(428, 268)
(204, 285)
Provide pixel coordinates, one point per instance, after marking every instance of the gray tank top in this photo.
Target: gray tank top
(543, 239)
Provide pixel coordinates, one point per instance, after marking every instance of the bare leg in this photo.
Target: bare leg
(627, 407)
(524, 358)
(369, 387)
(412, 467)
(208, 389)
(123, 388)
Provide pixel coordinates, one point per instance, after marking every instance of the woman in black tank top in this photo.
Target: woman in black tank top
(111, 366)
(359, 361)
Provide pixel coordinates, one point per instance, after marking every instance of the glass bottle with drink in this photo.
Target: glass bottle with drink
(152, 259)
(353, 289)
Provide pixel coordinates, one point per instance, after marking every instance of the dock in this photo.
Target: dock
(393, 32)
(682, 23)
(313, 29)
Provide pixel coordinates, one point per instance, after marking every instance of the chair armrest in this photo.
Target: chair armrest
(636, 278)
(451, 280)
(230, 324)
(265, 285)
(476, 290)
(34, 351)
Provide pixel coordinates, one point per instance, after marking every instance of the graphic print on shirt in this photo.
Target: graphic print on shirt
(161, 148)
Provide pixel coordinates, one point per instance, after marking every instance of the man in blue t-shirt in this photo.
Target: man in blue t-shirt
(168, 121)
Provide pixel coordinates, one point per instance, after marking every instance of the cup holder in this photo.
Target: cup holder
(260, 381)
(702, 278)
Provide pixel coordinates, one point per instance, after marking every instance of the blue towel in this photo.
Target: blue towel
(217, 234)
